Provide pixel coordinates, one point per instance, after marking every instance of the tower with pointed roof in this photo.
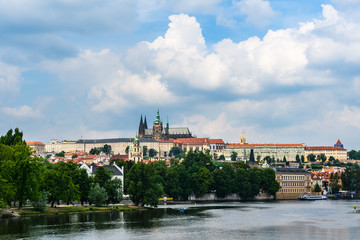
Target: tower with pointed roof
(135, 151)
(161, 132)
(157, 127)
(338, 144)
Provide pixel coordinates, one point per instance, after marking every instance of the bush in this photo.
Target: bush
(41, 203)
(98, 195)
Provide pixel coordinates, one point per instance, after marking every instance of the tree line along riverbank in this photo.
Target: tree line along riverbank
(26, 178)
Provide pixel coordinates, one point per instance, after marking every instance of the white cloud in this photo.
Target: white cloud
(130, 90)
(10, 77)
(23, 112)
(258, 12)
(351, 115)
(202, 126)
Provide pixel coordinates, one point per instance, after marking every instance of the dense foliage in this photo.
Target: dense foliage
(26, 177)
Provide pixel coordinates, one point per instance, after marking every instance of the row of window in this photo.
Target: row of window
(293, 184)
(296, 190)
(292, 178)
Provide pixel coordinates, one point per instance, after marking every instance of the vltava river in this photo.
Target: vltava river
(250, 220)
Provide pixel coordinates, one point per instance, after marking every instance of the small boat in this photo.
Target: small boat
(307, 196)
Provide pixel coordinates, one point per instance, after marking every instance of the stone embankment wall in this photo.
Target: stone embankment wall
(230, 197)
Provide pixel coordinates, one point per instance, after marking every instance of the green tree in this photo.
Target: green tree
(222, 157)
(84, 181)
(322, 157)
(40, 204)
(102, 176)
(201, 181)
(224, 180)
(107, 149)
(12, 138)
(317, 188)
(350, 178)
(311, 157)
(302, 159)
(268, 159)
(234, 156)
(269, 183)
(175, 152)
(142, 185)
(284, 159)
(243, 184)
(252, 156)
(334, 183)
(98, 195)
(172, 181)
(152, 152)
(60, 154)
(114, 191)
(74, 156)
(298, 158)
(127, 150)
(26, 172)
(145, 151)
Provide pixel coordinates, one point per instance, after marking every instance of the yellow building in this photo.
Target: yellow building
(68, 146)
(293, 182)
(38, 147)
(337, 151)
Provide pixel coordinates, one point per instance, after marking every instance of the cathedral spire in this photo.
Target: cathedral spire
(141, 126)
(145, 123)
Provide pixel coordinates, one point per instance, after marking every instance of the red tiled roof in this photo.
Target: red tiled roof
(324, 148)
(35, 143)
(265, 145)
(216, 141)
(338, 142)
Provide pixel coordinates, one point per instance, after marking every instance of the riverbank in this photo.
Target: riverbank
(66, 209)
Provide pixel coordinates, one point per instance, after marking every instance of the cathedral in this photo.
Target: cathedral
(160, 132)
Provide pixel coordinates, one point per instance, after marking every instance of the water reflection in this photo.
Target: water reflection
(255, 220)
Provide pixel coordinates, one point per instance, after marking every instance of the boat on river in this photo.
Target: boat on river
(307, 196)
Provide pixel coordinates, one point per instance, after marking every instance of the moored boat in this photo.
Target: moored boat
(307, 196)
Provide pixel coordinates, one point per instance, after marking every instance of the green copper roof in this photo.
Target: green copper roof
(136, 140)
(157, 120)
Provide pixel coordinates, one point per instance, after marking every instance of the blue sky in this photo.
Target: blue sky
(280, 71)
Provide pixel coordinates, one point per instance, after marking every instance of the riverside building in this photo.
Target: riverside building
(293, 182)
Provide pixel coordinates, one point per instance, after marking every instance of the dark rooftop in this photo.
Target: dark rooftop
(114, 140)
(290, 170)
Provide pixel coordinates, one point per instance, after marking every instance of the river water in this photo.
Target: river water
(325, 219)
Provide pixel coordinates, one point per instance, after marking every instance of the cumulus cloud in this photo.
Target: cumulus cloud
(130, 90)
(283, 57)
(258, 12)
(23, 112)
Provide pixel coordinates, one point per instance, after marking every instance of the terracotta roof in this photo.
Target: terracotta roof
(35, 143)
(338, 142)
(265, 145)
(325, 148)
(216, 141)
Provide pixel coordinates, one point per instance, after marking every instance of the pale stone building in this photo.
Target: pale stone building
(293, 182)
(54, 146)
(337, 151)
(275, 151)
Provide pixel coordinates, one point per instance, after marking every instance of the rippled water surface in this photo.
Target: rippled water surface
(250, 220)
